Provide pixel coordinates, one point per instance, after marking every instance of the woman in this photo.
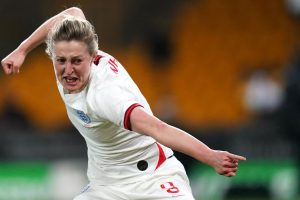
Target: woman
(129, 149)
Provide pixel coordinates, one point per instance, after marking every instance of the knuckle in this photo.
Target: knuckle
(223, 163)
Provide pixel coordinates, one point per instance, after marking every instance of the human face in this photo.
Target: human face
(72, 63)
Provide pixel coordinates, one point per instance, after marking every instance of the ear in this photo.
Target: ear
(94, 55)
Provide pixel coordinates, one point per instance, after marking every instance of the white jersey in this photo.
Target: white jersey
(101, 113)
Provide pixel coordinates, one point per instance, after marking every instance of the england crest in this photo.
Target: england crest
(86, 119)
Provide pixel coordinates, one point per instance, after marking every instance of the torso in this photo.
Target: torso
(98, 113)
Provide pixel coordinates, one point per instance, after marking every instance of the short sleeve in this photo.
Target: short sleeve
(115, 104)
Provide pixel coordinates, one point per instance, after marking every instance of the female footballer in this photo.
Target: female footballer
(129, 149)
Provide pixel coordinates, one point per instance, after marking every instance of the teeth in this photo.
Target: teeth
(69, 80)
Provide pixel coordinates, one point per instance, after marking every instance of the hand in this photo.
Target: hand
(225, 163)
(11, 64)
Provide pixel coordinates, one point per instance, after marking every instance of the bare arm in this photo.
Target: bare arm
(12, 63)
(223, 162)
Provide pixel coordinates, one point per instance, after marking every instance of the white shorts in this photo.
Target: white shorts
(168, 182)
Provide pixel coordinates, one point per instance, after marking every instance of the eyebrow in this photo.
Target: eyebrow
(71, 57)
(76, 57)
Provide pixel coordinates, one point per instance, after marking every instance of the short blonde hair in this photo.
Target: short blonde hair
(72, 29)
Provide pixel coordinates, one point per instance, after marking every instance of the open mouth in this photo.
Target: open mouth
(71, 80)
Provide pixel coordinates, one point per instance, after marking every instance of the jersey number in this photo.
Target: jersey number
(169, 187)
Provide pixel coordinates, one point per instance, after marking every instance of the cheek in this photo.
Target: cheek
(85, 71)
(58, 70)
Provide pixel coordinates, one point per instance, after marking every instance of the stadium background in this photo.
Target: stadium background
(226, 71)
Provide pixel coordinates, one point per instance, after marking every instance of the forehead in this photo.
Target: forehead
(70, 48)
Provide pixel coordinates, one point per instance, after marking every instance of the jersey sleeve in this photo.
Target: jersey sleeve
(115, 104)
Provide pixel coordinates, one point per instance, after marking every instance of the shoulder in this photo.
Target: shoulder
(108, 71)
(103, 58)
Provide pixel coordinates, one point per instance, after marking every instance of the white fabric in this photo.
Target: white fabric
(98, 114)
(168, 182)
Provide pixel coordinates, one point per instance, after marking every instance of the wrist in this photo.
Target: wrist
(206, 156)
(23, 48)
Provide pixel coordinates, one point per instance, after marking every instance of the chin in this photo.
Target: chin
(72, 89)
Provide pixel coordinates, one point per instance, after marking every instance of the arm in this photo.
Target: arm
(12, 63)
(223, 162)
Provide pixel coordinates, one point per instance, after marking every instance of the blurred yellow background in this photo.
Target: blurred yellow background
(213, 45)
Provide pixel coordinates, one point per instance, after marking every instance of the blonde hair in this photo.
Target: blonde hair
(72, 29)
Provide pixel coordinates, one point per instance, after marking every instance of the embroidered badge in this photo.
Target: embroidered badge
(83, 116)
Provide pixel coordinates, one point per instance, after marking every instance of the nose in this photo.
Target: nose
(69, 68)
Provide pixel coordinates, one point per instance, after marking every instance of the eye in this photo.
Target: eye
(76, 61)
(60, 60)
